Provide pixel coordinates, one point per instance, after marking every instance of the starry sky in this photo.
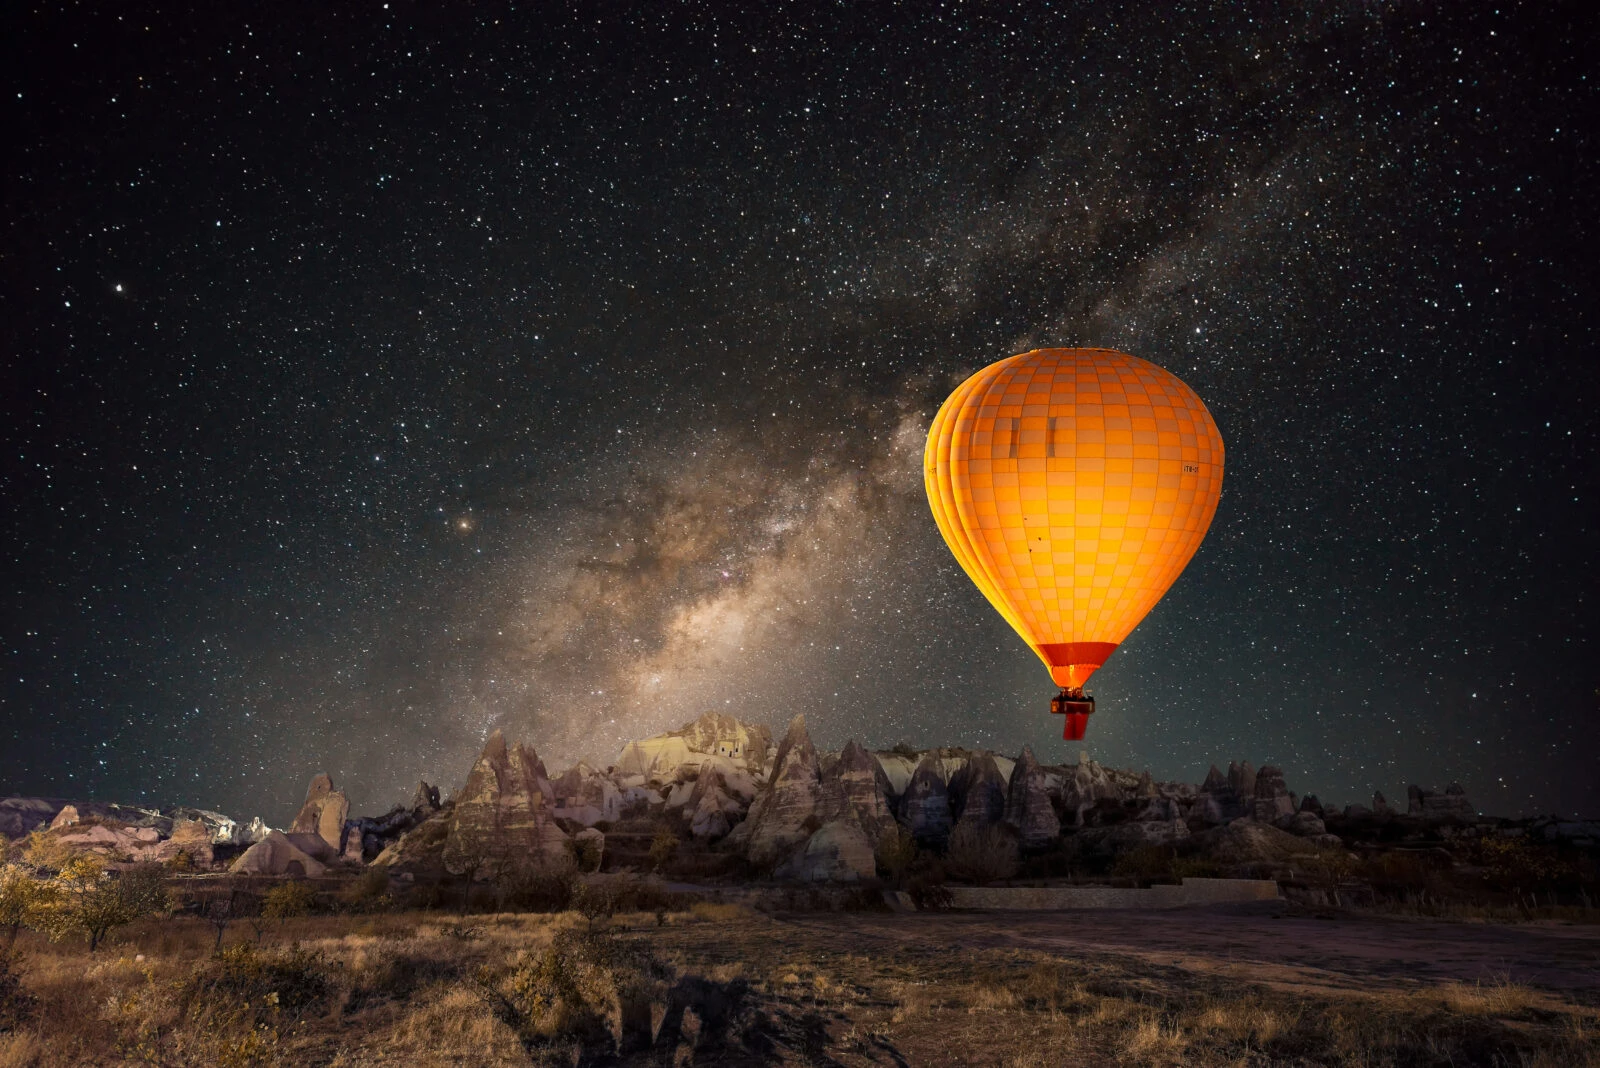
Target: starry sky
(377, 375)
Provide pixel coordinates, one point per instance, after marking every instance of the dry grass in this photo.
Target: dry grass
(1501, 997)
(417, 989)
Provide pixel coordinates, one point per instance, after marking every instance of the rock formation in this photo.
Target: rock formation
(1272, 801)
(718, 798)
(784, 814)
(323, 813)
(1028, 805)
(190, 839)
(503, 817)
(426, 799)
(838, 852)
(713, 734)
(1243, 843)
(1084, 786)
(1452, 805)
(1305, 823)
(584, 795)
(368, 836)
(925, 805)
(856, 787)
(978, 792)
(420, 850)
(21, 815)
(1242, 779)
(276, 855)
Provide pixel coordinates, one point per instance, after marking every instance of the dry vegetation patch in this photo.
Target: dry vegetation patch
(713, 984)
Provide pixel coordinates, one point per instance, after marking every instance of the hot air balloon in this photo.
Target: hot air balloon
(1073, 485)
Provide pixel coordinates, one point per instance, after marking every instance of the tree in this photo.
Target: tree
(220, 912)
(95, 902)
(24, 901)
(468, 852)
(44, 851)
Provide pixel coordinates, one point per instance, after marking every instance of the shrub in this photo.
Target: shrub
(541, 889)
(292, 980)
(368, 892)
(588, 852)
(981, 854)
(287, 900)
(24, 901)
(586, 986)
(662, 846)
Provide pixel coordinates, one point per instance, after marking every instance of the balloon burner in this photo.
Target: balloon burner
(1077, 706)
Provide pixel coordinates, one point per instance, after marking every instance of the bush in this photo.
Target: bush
(587, 986)
(981, 854)
(287, 900)
(24, 901)
(368, 892)
(588, 853)
(292, 980)
(541, 890)
(662, 846)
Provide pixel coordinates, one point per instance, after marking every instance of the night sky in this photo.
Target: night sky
(376, 375)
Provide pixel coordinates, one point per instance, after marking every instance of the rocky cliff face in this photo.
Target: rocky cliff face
(368, 836)
(856, 787)
(1272, 802)
(323, 813)
(584, 795)
(1451, 805)
(188, 847)
(503, 816)
(978, 792)
(21, 815)
(659, 759)
(1029, 807)
(925, 805)
(785, 813)
(719, 798)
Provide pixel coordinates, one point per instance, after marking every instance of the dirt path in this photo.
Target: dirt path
(1262, 945)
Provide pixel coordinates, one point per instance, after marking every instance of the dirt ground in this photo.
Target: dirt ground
(1258, 943)
(1238, 986)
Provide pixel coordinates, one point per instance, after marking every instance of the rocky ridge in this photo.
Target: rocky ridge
(725, 794)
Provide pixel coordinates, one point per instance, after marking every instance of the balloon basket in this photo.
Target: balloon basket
(1077, 708)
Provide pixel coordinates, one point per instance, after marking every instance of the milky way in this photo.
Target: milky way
(379, 378)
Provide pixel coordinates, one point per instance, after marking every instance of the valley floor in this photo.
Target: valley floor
(1259, 985)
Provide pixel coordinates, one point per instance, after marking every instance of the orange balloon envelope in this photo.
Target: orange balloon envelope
(1073, 485)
